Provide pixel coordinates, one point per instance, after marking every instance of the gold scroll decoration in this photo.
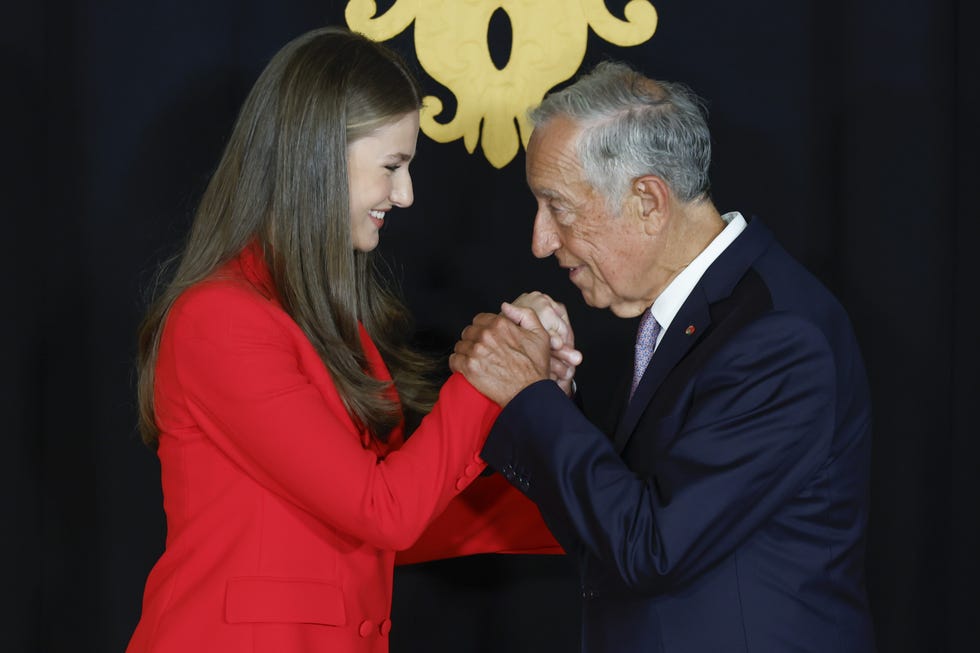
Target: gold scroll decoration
(548, 46)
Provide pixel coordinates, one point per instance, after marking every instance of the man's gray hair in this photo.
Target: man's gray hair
(634, 126)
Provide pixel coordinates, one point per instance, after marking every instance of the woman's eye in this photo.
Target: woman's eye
(393, 168)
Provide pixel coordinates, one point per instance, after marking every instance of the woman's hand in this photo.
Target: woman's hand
(554, 318)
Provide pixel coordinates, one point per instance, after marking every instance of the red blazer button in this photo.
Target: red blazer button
(385, 627)
(365, 628)
(472, 469)
(461, 483)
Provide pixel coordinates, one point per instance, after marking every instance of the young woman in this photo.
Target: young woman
(275, 379)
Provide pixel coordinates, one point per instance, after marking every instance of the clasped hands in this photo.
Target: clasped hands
(530, 340)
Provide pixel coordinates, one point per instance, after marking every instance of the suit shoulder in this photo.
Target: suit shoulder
(218, 306)
(791, 284)
(784, 329)
(794, 289)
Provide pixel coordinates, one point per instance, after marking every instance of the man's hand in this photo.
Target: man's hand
(554, 318)
(502, 355)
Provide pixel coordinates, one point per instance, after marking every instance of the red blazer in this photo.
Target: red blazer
(282, 518)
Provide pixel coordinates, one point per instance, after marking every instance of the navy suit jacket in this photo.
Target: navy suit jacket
(726, 510)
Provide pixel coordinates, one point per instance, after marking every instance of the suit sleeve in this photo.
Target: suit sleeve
(757, 423)
(238, 367)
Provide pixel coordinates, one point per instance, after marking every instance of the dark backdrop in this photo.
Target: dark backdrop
(850, 127)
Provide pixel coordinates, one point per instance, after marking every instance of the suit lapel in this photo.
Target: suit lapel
(692, 322)
(687, 328)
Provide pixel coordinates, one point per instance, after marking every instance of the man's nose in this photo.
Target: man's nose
(544, 238)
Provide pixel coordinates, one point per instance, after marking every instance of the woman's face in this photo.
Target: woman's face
(378, 177)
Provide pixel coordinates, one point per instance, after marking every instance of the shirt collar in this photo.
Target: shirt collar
(669, 302)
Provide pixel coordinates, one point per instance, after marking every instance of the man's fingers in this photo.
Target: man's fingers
(512, 312)
(568, 355)
(552, 315)
(561, 371)
(538, 301)
(525, 318)
(552, 321)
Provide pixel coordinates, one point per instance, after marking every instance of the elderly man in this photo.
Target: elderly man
(727, 509)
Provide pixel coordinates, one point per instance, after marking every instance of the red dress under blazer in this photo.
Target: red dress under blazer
(282, 518)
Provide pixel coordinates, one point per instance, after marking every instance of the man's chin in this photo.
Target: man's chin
(591, 301)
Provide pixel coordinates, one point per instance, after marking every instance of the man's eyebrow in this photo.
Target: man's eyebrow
(547, 193)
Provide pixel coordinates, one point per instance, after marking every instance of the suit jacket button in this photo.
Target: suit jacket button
(385, 627)
(472, 469)
(461, 483)
(365, 629)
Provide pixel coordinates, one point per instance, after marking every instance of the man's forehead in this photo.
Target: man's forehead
(552, 161)
(559, 133)
(556, 177)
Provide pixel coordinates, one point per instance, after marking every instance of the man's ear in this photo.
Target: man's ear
(652, 195)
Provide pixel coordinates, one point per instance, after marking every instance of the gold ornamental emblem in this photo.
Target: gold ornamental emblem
(548, 45)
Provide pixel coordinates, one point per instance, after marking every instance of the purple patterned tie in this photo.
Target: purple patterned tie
(646, 338)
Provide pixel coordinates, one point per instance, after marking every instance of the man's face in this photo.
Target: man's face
(608, 257)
